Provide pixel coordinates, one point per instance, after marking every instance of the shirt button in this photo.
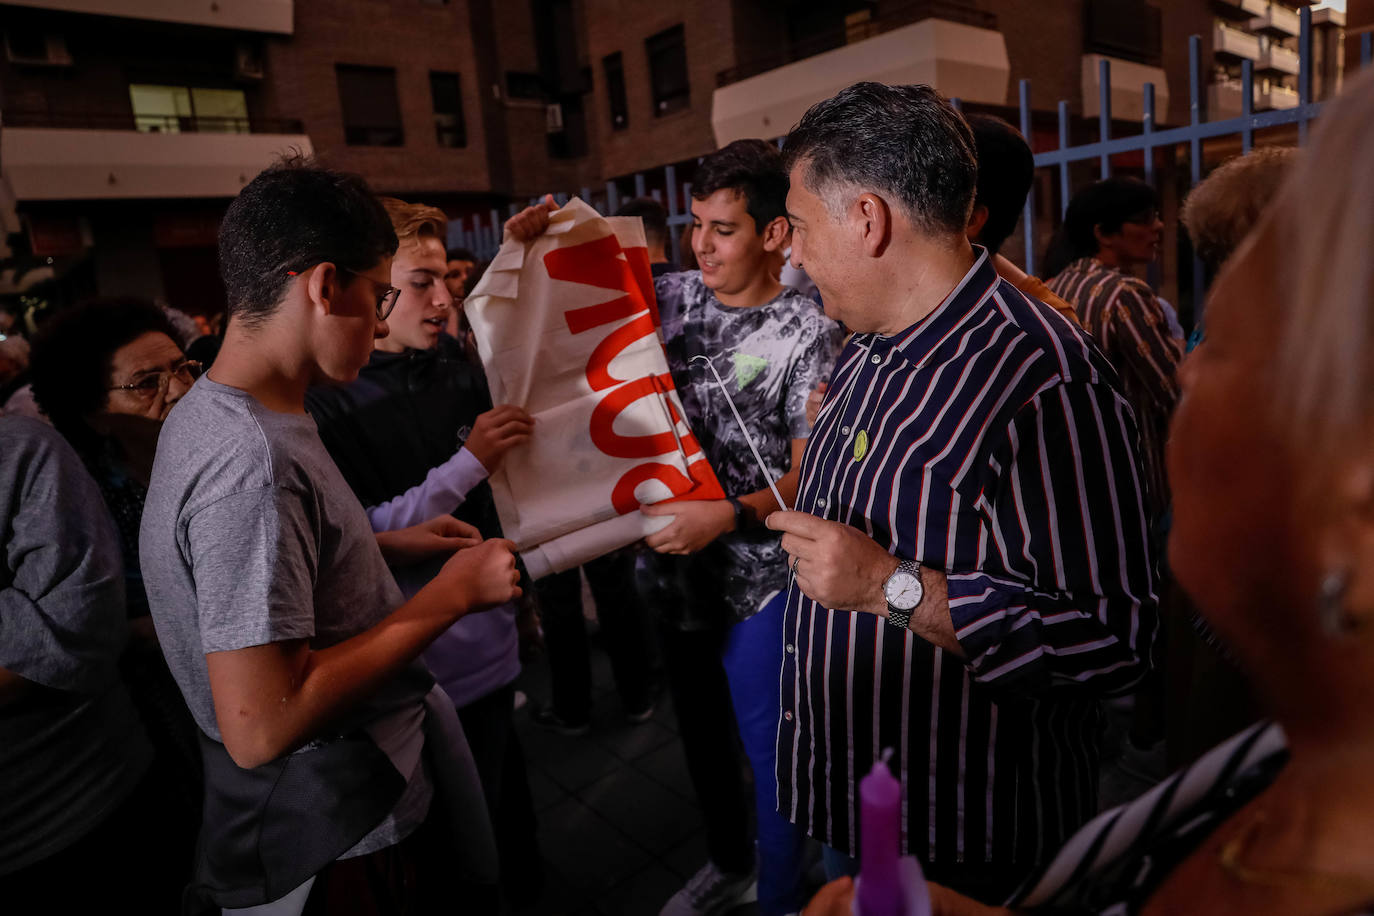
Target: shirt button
(787, 715)
(821, 503)
(876, 359)
(844, 430)
(791, 648)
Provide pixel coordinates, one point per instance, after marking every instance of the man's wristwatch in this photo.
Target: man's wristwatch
(903, 591)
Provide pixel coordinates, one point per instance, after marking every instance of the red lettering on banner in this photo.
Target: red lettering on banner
(638, 259)
(598, 263)
(599, 366)
(593, 316)
(611, 442)
(623, 496)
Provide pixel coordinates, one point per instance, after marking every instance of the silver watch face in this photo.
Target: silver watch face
(902, 590)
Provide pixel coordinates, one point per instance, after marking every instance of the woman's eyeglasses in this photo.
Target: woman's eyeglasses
(148, 384)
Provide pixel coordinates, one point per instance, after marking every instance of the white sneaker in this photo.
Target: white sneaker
(712, 891)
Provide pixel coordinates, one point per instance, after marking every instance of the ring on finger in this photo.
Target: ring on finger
(795, 561)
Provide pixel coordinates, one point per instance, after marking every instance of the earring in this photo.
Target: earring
(1331, 614)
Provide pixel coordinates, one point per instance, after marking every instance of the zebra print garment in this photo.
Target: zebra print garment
(1119, 859)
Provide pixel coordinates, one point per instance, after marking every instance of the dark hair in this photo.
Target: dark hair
(460, 254)
(1107, 203)
(906, 142)
(752, 168)
(655, 217)
(71, 360)
(1006, 168)
(479, 270)
(291, 217)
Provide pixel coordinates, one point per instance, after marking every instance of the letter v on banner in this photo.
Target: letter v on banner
(567, 328)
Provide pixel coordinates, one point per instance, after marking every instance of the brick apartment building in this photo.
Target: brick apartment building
(127, 125)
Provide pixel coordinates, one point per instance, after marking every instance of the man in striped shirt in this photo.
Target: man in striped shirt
(971, 561)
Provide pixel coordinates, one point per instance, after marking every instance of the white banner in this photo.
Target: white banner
(567, 328)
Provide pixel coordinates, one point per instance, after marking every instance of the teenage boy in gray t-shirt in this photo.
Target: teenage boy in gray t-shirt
(271, 596)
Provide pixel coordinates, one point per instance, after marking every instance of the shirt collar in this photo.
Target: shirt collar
(916, 342)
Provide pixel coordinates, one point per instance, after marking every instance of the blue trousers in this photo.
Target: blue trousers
(753, 664)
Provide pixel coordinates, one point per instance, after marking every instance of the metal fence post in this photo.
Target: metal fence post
(1064, 163)
(1104, 112)
(1195, 159)
(1028, 209)
(612, 196)
(1304, 71)
(1247, 104)
(1147, 127)
(670, 179)
(639, 184)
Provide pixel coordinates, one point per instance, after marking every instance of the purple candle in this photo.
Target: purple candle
(880, 818)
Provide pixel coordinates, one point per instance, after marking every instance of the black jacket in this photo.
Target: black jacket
(405, 414)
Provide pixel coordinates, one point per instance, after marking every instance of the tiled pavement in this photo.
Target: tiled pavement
(619, 828)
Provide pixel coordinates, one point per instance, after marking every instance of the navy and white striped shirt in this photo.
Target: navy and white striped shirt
(990, 441)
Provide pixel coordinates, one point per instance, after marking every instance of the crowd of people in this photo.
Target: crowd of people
(260, 630)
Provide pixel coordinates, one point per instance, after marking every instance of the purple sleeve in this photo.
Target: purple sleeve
(443, 490)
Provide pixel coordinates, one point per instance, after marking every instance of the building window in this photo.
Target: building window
(371, 110)
(1127, 29)
(174, 109)
(522, 85)
(614, 68)
(448, 110)
(668, 70)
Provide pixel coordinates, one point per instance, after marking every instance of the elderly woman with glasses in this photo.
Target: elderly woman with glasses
(106, 373)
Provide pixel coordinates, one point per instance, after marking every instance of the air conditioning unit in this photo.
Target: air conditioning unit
(553, 118)
(247, 62)
(36, 49)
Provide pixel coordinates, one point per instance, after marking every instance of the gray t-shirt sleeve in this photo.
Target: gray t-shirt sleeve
(256, 560)
(62, 592)
(814, 366)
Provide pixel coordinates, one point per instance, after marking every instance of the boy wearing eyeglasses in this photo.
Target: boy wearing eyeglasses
(415, 436)
(332, 766)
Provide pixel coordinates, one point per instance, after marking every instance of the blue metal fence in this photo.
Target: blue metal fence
(1192, 134)
(485, 239)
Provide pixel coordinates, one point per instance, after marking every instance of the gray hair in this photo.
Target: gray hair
(1227, 204)
(906, 143)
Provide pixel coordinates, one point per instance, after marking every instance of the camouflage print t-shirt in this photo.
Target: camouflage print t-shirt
(771, 357)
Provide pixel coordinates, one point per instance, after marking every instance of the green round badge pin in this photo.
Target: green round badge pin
(861, 445)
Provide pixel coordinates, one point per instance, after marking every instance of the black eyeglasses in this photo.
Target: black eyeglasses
(386, 300)
(186, 372)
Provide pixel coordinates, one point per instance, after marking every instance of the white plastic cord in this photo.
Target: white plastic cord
(742, 428)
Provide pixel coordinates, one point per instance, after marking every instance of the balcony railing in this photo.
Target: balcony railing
(1225, 99)
(1276, 98)
(1277, 19)
(1231, 42)
(1278, 60)
(170, 124)
(893, 16)
(1242, 8)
